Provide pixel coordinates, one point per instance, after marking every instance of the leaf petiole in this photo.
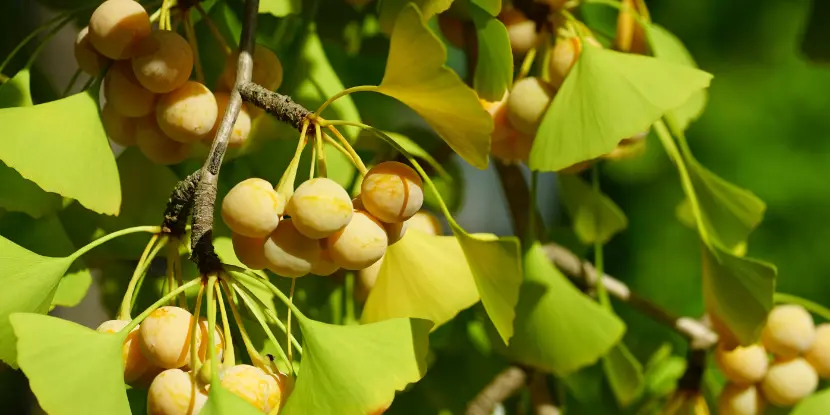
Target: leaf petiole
(285, 186)
(88, 247)
(347, 91)
(358, 163)
(136, 321)
(238, 275)
(195, 362)
(256, 358)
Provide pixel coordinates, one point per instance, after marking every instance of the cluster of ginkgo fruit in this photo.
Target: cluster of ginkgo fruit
(800, 356)
(319, 228)
(151, 101)
(156, 355)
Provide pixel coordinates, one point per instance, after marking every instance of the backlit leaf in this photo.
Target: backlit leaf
(221, 401)
(71, 369)
(372, 361)
(625, 374)
(280, 8)
(421, 276)
(15, 92)
(815, 404)
(416, 75)
(390, 9)
(596, 218)
(814, 43)
(494, 69)
(413, 148)
(493, 7)
(609, 96)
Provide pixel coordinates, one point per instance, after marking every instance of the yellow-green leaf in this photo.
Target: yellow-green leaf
(494, 69)
(596, 218)
(389, 10)
(15, 92)
(416, 75)
(280, 8)
(625, 374)
(221, 402)
(492, 7)
(815, 404)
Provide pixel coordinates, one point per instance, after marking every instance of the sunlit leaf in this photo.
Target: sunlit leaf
(372, 362)
(15, 92)
(221, 401)
(422, 277)
(596, 218)
(493, 7)
(494, 69)
(662, 372)
(815, 404)
(61, 146)
(558, 328)
(280, 8)
(625, 374)
(609, 96)
(20, 195)
(71, 369)
(390, 9)
(416, 75)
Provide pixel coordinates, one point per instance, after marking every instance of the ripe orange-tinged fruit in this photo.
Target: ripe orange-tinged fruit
(164, 337)
(360, 244)
(323, 266)
(253, 208)
(366, 278)
(819, 353)
(453, 29)
(175, 392)
(289, 253)
(117, 26)
(249, 251)
(135, 364)
(789, 381)
(120, 129)
(740, 400)
(202, 342)
(267, 69)
(163, 61)
(514, 148)
(520, 30)
(498, 111)
(395, 231)
(156, 146)
(527, 103)
(564, 55)
(319, 208)
(425, 222)
(743, 365)
(262, 390)
(188, 113)
(789, 331)
(88, 58)
(392, 192)
(241, 128)
(125, 94)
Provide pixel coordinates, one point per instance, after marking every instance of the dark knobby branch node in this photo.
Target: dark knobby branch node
(280, 106)
(180, 205)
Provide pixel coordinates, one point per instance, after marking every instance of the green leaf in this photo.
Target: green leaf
(413, 148)
(372, 361)
(15, 92)
(390, 9)
(61, 146)
(71, 369)
(814, 44)
(662, 372)
(815, 404)
(493, 7)
(221, 402)
(558, 328)
(596, 218)
(609, 96)
(416, 75)
(20, 195)
(409, 286)
(625, 374)
(494, 69)
(280, 8)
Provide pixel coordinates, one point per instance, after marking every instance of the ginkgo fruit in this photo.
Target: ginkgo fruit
(267, 70)
(563, 57)
(513, 148)
(527, 103)
(188, 113)
(175, 392)
(819, 353)
(241, 128)
(117, 26)
(89, 59)
(119, 128)
(262, 390)
(741, 400)
(323, 265)
(135, 364)
(157, 146)
(520, 30)
(202, 342)
(164, 336)
(249, 251)
(743, 365)
(789, 381)
(290, 253)
(498, 111)
(395, 231)
(360, 244)
(125, 94)
(392, 192)
(366, 279)
(163, 61)
(253, 208)
(319, 208)
(789, 330)
(425, 222)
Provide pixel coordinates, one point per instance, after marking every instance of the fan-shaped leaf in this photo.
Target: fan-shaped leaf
(15, 92)
(815, 404)
(280, 8)
(492, 7)
(221, 402)
(494, 69)
(625, 374)
(389, 10)
(596, 218)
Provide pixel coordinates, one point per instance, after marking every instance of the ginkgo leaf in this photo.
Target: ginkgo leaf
(15, 92)
(280, 8)
(625, 374)
(390, 9)
(411, 147)
(356, 369)
(494, 68)
(416, 75)
(609, 96)
(493, 7)
(221, 402)
(71, 369)
(409, 285)
(558, 328)
(815, 404)
(596, 218)
(61, 146)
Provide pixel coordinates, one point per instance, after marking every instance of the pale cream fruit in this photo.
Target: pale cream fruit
(743, 365)
(323, 266)
(88, 58)
(425, 222)
(366, 279)
(267, 69)
(175, 392)
(262, 390)
(527, 103)
(514, 148)
(253, 208)
(819, 353)
(741, 400)
(157, 146)
(360, 244)
(564, 55)
(120, 129)
(395, 231)
(164, 337)
(453, 29)
(188, 113)
(319, 208)
(789, 331)
(241, 128)
(498, 111)
(117, 26)
(163, 61)
(250, 251)
(520, 30)
(789, 381)
(392, 192)
(290, 253)
(125, 94)
(135, 364)
(202, 343)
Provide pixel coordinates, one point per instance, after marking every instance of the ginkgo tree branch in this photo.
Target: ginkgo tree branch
(503, 386)
(280, 106)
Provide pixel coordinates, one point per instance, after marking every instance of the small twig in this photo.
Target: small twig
(504, 385)
(179, 205)
(280, 106)
(540, 396)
